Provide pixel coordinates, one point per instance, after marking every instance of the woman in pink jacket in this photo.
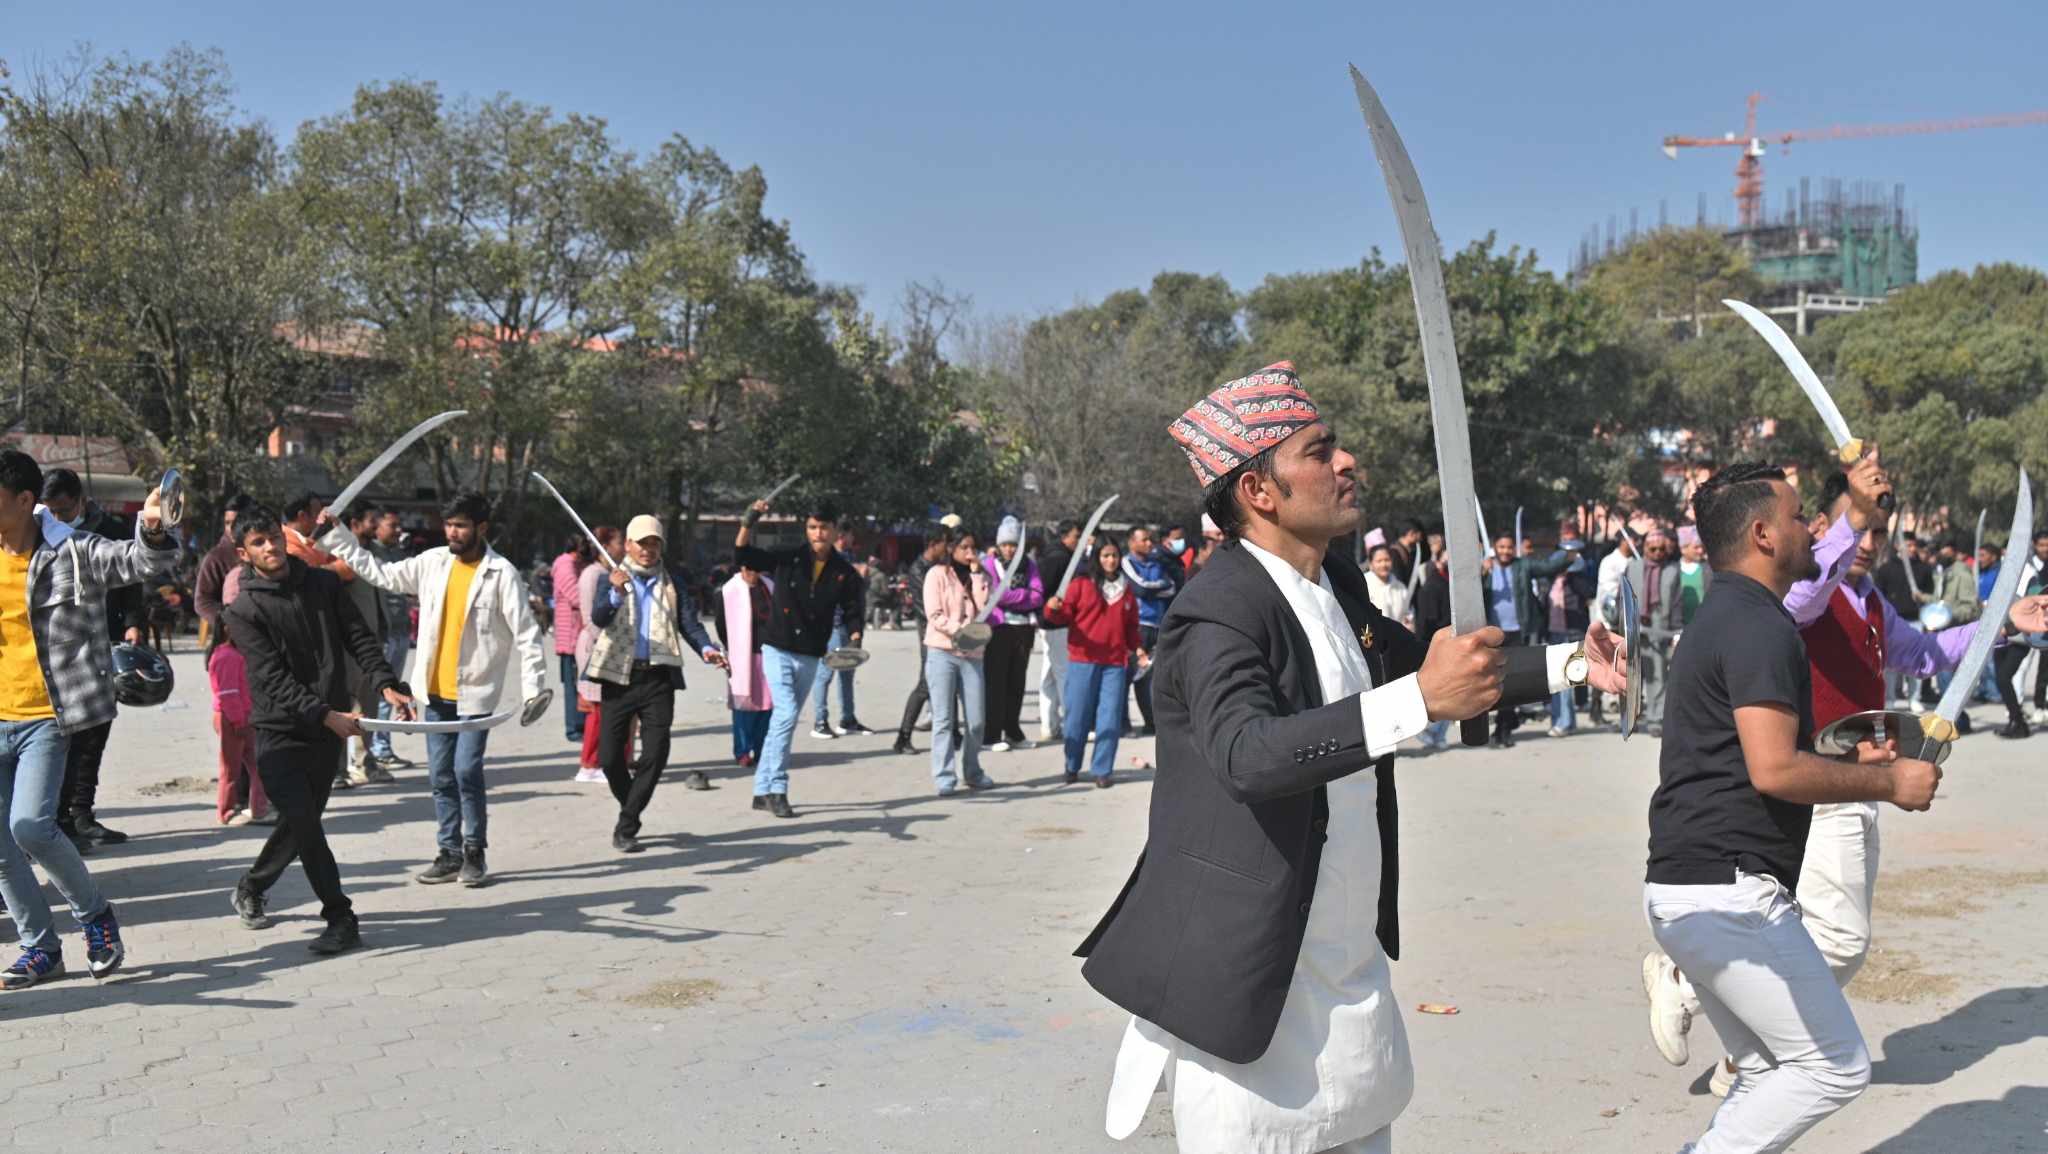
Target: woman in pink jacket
(954, 594)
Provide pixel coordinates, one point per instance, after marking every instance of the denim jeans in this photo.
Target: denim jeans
(572, 717)
(31, 774)
(749, 731)
(1095, 697)
(455, 772)
(953, 678)
(1563, 713)
(395, 649)
(821, 684)
(789, 681)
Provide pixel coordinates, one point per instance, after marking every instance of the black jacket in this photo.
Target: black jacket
(127, 605)
(802, 621)
(1432, 604)
(1203, 940)
(297, 635)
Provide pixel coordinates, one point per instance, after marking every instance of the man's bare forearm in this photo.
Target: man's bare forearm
(1810, 779)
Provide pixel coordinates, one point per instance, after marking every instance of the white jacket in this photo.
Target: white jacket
(496, 622)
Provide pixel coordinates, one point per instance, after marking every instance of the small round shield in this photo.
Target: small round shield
(1936, 616)
(845, 658)
(171, 498)
(1878, 725)
(537, 708)
(972, 636)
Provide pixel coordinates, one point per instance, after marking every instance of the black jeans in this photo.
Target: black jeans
(82, 774)
(1005, 667)
(298, 774)
(651, 698)
(1141, 687)
(2005, 668)
(919, 696)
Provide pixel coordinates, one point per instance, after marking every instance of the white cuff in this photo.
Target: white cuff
(1393, 713)
(1554, 657)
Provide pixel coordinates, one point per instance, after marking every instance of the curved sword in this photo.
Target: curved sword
(1978, 550)
(603, 554)
(1009, 572)
(1847, 447)
(355, 488)
(1087, 532)
(1440, 357)
(1941, 724)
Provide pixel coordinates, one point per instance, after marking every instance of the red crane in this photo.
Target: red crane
(1749, 171)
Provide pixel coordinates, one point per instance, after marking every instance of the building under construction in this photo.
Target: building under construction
(1840, 251)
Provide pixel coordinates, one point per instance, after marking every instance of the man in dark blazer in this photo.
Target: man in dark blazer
(1202, 946)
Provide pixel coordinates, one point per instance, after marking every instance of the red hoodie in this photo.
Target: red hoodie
(1097, 632)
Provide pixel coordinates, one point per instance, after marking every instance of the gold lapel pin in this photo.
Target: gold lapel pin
(1365, 637)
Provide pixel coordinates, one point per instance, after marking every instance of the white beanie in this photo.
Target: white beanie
(1011, 531)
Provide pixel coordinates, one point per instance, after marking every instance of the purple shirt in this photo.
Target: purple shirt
(1907, 650)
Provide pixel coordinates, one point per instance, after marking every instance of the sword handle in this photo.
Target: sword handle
(1886, 502)
(1473, 731)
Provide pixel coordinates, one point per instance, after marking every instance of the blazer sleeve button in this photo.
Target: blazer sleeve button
(1304, 908)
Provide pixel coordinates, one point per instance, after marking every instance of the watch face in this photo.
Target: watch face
(1575, 668)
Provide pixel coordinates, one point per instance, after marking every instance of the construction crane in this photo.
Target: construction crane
(1749, 171)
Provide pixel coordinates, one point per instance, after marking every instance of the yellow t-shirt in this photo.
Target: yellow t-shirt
(817, 571)
(23, 696)
(454, 615)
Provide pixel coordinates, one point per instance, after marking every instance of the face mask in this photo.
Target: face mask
(1175, 544)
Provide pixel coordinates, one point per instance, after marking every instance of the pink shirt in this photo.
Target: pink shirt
(568, 603)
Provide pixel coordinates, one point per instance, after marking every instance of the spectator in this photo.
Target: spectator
(1099, 617)
(1014, 626)
(1154, 580)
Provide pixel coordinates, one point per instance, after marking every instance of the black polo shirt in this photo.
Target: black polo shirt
(1706, 819)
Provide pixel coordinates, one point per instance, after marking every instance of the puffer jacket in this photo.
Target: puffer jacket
(70, 575)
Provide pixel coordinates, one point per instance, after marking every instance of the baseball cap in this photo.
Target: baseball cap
(644, 526)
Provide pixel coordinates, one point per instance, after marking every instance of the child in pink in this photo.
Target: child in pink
(239, 783)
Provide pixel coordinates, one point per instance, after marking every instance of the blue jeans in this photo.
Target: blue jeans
(1095, 696)
(789, 681)
(395, 649)
(572, 717)
(31, 773)
(749, 731)
(822, 685)
(1563, 712)
(951, 677)
(455, 772)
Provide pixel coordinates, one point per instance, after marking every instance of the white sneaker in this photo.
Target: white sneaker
(1000, 747)
(1557, 732)
(357, 775)
(236, 817)
(1670, 1016)
(1723, 1080)
(586, 776)
(822, 733)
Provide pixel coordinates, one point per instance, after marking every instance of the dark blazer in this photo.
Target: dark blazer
(1203, 940)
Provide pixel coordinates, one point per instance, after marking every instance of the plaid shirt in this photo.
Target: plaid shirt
(68, 578)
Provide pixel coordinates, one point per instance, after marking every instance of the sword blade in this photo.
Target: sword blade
(2003, 591)
(1485, 540)
(1009, 571)
(1809, 381)
(1439, 355)
(1518, 530)
(355, 488)
(786, 483)
(1977, 550)
(602, 554)
(1082, 548)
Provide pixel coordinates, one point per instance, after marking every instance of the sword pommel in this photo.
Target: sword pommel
(1935, 727)
(1851, 451)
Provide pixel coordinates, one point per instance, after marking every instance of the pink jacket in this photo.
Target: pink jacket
(568, 604)
(948, 605)
(229, 675)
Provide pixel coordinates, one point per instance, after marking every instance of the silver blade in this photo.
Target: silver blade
(786, 483)
(603, 554)
(1977, 550)
(355, 488)
(1996, 607)
(1802, 372)
(1899, 549)
(1518, 530)
(1485, 539)
(1439, 354)
(1081, 547)
(1009, 571)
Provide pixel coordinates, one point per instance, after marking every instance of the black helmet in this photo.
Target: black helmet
(141, 676)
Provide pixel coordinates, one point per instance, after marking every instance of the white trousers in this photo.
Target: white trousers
(1836, 881)
(1052, 685)
(1773, 1000)
(1380, 1141)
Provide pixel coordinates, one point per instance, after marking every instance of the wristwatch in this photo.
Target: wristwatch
(1577, 667)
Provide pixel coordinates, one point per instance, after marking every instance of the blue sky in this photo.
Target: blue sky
(1038, 154)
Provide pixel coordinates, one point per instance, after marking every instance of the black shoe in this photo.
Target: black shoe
(760, 801)
(90, 829)
(1507, 740)
(625, 843)
(1963, 725)
(695, 779)
(78, 842)
(1073, 775)
(249, 907)
(447, 866)
(338, 938)
(982, 783)
(1104, 781)
(852, 727)
(473, 872)
(2017, 727)
(903, 744)
(778, 804)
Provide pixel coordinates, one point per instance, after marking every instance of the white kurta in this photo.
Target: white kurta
(1338, 1068)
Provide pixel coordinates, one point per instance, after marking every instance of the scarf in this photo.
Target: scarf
(611, 659)
(747, 686)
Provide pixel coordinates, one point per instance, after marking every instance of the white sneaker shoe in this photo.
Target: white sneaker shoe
(1670, 1016)
(1557, 732)
(1723, 1080)
(586, 776)
(1000, 747)
(236, 817)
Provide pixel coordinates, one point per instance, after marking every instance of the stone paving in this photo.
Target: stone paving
(891, 971)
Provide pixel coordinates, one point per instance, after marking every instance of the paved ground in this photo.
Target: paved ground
(891, 971)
